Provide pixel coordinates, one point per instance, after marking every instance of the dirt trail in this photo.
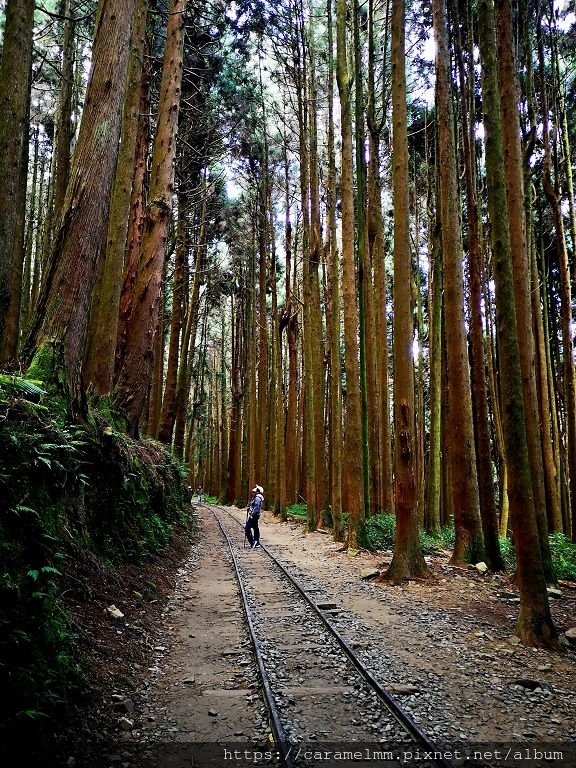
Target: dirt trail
(204, 677)
(449, 639)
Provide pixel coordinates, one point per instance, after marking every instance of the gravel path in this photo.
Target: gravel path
(445, 647)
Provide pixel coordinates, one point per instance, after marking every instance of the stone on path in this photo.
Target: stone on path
(369, 573)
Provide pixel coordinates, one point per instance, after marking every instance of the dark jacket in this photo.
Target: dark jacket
(255, 505)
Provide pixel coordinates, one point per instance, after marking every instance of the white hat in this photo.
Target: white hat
(258, 489)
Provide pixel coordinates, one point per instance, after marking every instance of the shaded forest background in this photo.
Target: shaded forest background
(328, 247)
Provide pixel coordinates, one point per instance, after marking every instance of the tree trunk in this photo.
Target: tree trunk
(317, 346)
(136, 216)
(179, 289)
(134, 377)
(469, 543)
(103, 332)
(408, 561)
(14, 119)
(333, 310)
(488, 509)
(353, 491)
(432, 519)
(64, 112)
(62, 315)
(554, 198)
(521, 264)
(535, 625)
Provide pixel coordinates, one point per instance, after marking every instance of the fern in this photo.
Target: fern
(19, 384)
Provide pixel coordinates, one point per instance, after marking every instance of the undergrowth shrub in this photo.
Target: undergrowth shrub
(563, 556)
(66, 491)
(297, 512)
(381, 530)
(562, 550)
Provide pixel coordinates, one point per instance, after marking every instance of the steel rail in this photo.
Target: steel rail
(275, 721)
(402, 717)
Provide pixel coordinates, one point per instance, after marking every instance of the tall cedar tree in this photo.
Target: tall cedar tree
(353, 485)
(99, 368)
(535, 625)
(408, 560)
(60, 324)
(14, 118)
(469, 543)
(135, 375)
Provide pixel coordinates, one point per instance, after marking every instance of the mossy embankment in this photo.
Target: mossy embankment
(74, 499)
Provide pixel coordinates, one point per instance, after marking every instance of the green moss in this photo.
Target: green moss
(47, 367)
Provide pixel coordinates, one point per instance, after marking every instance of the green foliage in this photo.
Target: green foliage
(297, 512)
(563, 556)
(508, 554)
(432, 543)
(563, 552)
(66, 490)
(380, 531)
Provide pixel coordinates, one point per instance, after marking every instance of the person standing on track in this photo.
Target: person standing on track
(254, 508)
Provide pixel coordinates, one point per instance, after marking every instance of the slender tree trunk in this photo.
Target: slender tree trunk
(333, 311)
(488, 510)
(554, 199)
(364, 305)
(469, 544)
(32, 227)
(187, 345)
(12, 327)
(14, 120)
(317, 346)
(432, 519)
(234, 445)
(291, 322)
(408, 561)
(64, 111)
(262, 405)
(353, 492)
(38, 240)
(179, 289)
(521, 264)
(384, 500)
(535, 625)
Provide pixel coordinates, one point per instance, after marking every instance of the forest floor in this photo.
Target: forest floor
(177, 666)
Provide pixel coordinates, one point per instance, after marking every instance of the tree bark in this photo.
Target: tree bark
(103, 331)
(408, 560)
(535, 625)
(353, 491)
(14, 119)
(62, 315)
(135, 375)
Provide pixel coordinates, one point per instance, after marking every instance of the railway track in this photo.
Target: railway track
(325, 706)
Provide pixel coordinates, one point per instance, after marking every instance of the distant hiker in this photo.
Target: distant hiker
(200, 494)
(251, 527)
